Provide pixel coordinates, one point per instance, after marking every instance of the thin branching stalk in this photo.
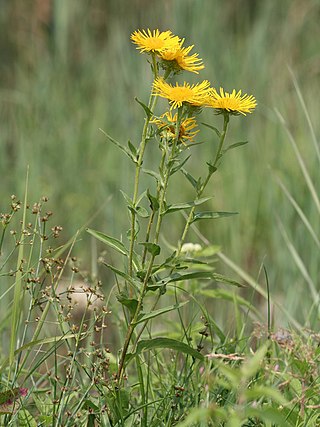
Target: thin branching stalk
(212, 169)
(155, 241)
(152, 216)
(143, 143)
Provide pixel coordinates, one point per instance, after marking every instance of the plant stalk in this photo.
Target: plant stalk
(211, 171)
(167, 174)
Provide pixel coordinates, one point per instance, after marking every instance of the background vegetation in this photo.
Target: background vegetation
(68, 68)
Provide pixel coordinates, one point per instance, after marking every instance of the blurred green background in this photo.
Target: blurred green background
(68, 68)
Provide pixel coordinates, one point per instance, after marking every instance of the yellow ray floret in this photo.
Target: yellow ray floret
(195, 95)
(233, 102)
(154, 41)
(167, 124)
(182, 59)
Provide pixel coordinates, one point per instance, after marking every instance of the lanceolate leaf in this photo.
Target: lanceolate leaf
(223, 279)
(162, 342)
(190, 178)
(179, 277)
(132, 148)
(126, 276)
(180, 165)
(211, 215)
(187, 205)
(235, 145)
(212, 128)
(123, 148)
(211, 168)
(154, 174)
(269, 415)
(157, 313)
(229, 296)
(108, 240)
(146, 109)
(127, 198)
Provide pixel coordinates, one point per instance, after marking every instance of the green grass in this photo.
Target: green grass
(63, 79)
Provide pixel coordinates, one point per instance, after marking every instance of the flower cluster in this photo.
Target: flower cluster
(169, 49)
(167, 124)
(174, 58)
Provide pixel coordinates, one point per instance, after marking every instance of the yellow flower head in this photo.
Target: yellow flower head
(154, 41)
(233, 102)
(167, 125)
(194, 95)
(182, 59)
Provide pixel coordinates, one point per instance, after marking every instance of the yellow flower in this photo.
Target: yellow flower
(195, 95)
(167, 125)
(234, 102)
(154, 41)
(182, 59)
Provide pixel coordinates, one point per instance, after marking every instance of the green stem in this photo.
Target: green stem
(211, 171)
(151, 219)
(167, 174)
(144, 325)
(143, 143)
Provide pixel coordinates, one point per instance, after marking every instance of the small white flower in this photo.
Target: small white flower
(190, 247)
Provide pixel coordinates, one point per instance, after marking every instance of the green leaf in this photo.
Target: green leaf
(162, 342)
(259, 391)
(187, 261)
(190, 178)
(180, 165)
(236, 144)
(140, 211)
(91, 420)
(213, 128)
(146, 109)
(251, 366)
(211, 215)
(202, 416)
(153, 174)
(55, 339)
(132, 148)
(214, 326)
(228, 296)
(108, 240)
(127, 198)
(223, 279)
(177, 277)
(270, 415)
(130, 303)
(187, 205)
(209, 251)
(152, 248)
(87, 404)
(160, 311)
(123, 148)
(211, 168)
(126, 276)
(154, 204)
(142, 195)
